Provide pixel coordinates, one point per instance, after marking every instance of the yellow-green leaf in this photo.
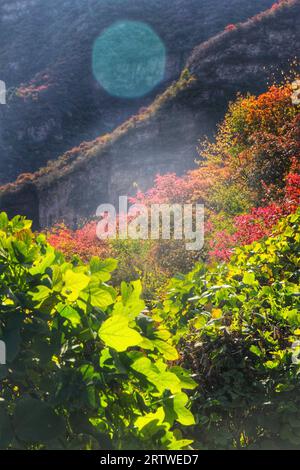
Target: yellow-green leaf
(168, 351)
(116, 334)
(184, 416)
(74, 284)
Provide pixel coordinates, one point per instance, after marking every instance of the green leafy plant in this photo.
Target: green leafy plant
(86, 368)
(238, 326)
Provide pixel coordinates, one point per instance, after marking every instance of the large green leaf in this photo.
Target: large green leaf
(163, 380)
(185, 378)
(99, 296)
(74, 284)
(40, 293)
(66, 311)
(116, 333)
(103, 267)
(3, 221)
(183, 415)
(151, 423)
(249, 279)
(132, 304)
(168, 351)
(42, 263)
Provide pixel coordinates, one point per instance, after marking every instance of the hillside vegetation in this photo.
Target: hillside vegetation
(247, 178)
(162, 137)
(206, 360)
(141, 344)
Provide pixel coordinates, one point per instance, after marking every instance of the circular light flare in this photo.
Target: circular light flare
(129, 59)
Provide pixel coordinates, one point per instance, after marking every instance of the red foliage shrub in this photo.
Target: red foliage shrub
(192, 187)
(82, 242)
(167, 188)
(260, 222)
(292, 189)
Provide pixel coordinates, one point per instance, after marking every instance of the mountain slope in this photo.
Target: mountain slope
(164, 137)
(55, 102)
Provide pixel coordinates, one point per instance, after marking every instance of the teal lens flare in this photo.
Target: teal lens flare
(129, 59)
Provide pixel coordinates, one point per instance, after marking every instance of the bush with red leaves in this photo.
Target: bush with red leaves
(82, 242)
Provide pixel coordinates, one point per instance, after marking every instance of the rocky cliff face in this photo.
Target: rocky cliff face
(164, 137)
(54, 101)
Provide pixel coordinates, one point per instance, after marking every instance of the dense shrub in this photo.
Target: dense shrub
(258, 140)
(137, 260)
(259, 221)
(241, 326)
(248, 180)
(195, 186)
(81, 242)
(86, 368)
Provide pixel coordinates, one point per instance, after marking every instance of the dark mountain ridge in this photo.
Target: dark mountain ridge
(55, 102)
